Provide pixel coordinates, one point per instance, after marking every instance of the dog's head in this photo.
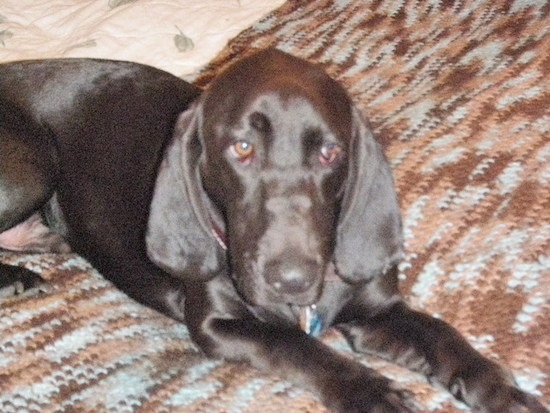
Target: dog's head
(275, 165)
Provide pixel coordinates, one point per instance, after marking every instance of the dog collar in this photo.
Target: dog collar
(311, 322)
(219, 235)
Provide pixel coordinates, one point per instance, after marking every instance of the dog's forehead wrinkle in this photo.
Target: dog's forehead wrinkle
(260, 122)
(290, 126)
(327, 110)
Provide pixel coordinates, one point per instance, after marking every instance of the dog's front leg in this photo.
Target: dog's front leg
(222, 325)
(431, 346)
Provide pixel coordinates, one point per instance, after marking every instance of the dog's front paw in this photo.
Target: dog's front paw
(368, 394)
(495, 391)
(18, 281)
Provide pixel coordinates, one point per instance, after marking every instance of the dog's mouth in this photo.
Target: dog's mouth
(305, 310)
(261, 294)
(309, 313)
(273, 297)
(312, 318)
(262, 284)
(309, 318)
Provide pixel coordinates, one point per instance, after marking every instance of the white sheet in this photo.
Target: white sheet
(179, 36)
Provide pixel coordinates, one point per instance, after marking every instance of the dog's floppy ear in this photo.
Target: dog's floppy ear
(179, 237)
(369, 238)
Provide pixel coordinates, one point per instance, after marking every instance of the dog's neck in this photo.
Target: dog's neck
(219, 234)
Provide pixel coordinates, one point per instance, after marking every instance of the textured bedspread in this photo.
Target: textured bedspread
(459, 93)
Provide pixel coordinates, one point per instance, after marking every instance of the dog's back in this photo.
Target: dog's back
(88, 124)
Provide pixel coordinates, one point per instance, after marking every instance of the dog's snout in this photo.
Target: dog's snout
(291, 275)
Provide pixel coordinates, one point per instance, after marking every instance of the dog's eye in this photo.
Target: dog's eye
(242, 150)
(329, 152)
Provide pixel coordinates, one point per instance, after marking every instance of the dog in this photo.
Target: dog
(259, 212)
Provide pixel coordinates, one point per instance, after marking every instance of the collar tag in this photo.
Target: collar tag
(311, 321)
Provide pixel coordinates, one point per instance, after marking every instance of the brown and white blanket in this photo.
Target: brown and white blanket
(459, 94)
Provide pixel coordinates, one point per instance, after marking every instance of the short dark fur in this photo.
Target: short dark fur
(235, 246)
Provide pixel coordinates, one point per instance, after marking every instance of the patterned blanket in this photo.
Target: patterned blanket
(459, 94)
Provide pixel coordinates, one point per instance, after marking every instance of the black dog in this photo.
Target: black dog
(269, 216)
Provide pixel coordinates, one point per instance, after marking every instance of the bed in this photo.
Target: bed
(459, 95)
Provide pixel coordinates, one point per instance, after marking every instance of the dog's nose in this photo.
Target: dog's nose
(291, 276)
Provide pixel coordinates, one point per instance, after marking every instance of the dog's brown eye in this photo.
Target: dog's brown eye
(329, 152)
(242, 150)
